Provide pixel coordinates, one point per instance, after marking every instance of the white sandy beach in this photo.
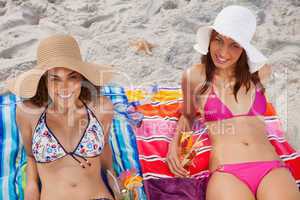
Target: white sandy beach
(104, 29)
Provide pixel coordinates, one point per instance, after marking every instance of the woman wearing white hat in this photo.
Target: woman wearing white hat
(64, 123)
(228, 91)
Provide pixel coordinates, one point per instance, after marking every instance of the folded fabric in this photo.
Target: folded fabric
(168, 188)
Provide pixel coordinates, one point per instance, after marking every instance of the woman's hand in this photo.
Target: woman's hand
(173, 159)
(32, 192)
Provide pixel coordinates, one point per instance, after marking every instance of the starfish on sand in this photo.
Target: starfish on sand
(141, 45)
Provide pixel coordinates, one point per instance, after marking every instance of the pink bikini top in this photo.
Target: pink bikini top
(215, 109)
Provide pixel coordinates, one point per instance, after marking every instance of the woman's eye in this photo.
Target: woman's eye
(219, 40)
(53, 79)
(236, 46)
(74, 77)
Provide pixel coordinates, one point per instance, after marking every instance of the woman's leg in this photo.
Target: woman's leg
(278, 184)
(224, 186)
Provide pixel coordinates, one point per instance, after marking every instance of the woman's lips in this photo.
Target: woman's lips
(65, 96)
(220, 60)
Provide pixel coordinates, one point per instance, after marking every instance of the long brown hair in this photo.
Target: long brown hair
(241, 73)
(42, 97)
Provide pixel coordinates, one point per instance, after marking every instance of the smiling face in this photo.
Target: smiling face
(224, 51)
(64, 86)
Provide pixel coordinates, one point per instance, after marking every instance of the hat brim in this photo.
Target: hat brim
(25, 85)
(255, 58)
(203, 39)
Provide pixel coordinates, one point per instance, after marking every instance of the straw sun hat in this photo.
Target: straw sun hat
(58, 51)
(238, 23)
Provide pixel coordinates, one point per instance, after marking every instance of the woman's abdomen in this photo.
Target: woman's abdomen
(241, 139)
(64, 179)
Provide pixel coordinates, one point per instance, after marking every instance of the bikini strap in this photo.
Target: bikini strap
(91, 114)
(89, 111)
(84, 104)
(42, 116)
(46, 108)
(212, 85)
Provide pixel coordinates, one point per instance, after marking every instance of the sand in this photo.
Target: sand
(104, 29)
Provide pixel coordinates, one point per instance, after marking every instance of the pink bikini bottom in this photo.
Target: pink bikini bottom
(251, 173)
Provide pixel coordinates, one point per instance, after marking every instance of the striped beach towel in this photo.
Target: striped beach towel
(161, 113)
(12, 153)
(276, 136)
(123, 140)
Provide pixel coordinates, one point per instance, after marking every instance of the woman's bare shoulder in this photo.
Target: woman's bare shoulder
(194, 75)
(102, 107)
(28, 113)
(103, 110)
(199, 66)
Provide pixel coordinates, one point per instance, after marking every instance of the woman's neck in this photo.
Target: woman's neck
(225, 75)
(68, 110)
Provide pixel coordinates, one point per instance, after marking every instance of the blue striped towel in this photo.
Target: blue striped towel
(123, 140)
(12, 153)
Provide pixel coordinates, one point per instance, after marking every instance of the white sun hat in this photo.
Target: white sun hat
(239, 24)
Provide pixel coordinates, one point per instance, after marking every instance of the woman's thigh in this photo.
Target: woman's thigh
(277, 185)
(224, 186)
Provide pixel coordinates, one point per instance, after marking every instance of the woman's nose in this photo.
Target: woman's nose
(224, 51)
(65, 86)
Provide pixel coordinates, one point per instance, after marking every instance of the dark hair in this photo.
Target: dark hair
(42, 97)
(241, 73)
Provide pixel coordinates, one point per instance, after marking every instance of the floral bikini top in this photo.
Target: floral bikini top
(47, 148)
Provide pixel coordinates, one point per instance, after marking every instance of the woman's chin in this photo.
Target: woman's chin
(223, 65)
(64, 103)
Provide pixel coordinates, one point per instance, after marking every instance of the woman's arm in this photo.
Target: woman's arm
(106, 157)
(189, 87)
(32, 183)
(191, 79)
(106, 112)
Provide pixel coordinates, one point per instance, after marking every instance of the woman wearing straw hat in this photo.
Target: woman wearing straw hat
(227, 89)
(64, 123)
